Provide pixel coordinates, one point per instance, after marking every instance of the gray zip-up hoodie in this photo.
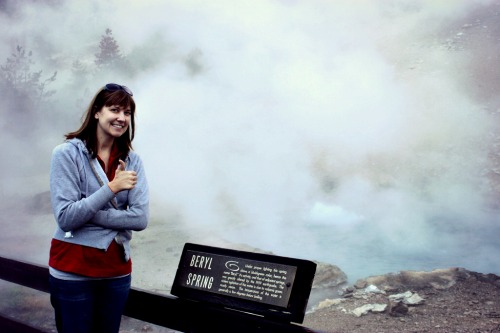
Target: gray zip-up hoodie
(82, 201)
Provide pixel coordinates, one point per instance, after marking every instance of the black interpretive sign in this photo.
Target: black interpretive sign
(237, 277)
(260, 283)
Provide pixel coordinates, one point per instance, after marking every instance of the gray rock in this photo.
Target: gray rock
(397, 309)
(408, 298)
(363, 310)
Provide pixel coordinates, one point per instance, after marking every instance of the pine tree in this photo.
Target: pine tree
(109, 54)
(18, 80)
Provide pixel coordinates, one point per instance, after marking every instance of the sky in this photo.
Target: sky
(359, 133)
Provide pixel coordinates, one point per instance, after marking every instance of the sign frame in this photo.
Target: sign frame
(272, 286)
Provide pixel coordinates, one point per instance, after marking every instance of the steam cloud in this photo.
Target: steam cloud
(364, 134)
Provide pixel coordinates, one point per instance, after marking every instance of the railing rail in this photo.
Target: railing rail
(162, 310)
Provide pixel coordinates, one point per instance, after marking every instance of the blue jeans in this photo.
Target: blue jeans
(92, 306)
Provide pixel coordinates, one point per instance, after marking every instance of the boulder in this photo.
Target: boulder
(414, 280)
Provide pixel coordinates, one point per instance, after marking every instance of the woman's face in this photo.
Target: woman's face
(112, 121)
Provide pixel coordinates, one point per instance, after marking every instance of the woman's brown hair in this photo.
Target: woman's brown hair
(88, 130)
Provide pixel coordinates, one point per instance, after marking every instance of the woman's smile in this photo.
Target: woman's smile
(112, 121)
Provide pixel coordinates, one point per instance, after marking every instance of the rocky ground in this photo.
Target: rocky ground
(447, 300)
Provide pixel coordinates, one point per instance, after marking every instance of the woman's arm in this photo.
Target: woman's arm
(136, 216)
(70, 209)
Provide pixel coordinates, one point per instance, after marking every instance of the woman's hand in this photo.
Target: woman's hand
(124, 180)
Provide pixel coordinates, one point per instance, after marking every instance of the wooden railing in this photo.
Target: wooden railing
(162, 310)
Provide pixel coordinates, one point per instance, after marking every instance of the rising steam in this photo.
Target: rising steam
(357, 133)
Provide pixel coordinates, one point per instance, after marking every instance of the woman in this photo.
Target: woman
(99, 195)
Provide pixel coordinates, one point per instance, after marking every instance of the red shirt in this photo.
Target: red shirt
(89, 261)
